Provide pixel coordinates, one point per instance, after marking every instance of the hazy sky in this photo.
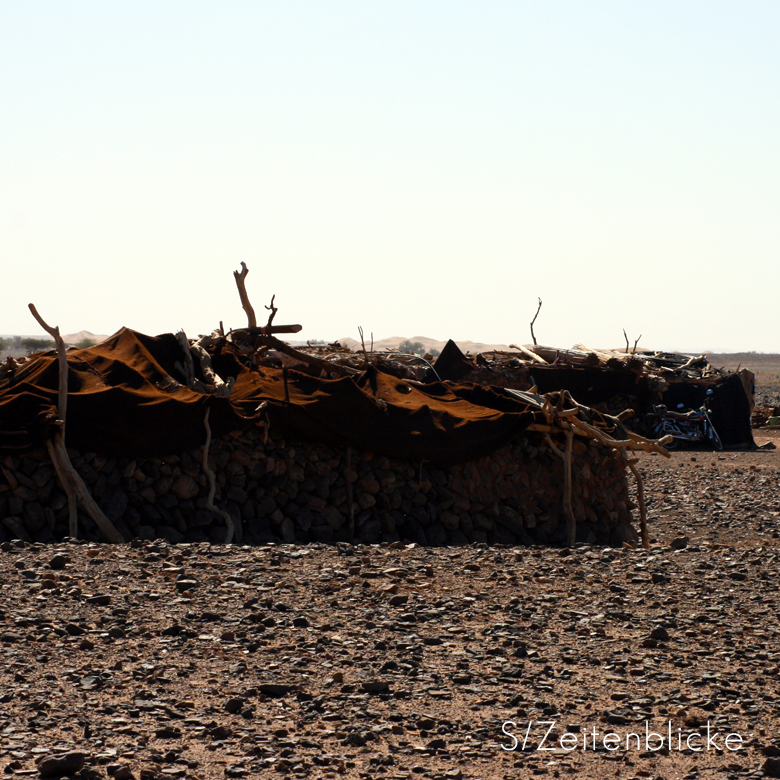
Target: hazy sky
(417, 168)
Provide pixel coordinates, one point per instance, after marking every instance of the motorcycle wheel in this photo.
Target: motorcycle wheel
(715, 439)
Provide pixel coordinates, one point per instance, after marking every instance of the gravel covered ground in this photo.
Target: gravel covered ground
(197, 661)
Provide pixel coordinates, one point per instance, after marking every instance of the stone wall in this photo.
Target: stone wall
(291, 491)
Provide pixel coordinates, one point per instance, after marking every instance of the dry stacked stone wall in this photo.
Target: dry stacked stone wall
(296, 492)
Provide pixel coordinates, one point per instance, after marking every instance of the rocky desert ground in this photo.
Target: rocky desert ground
(153, 660)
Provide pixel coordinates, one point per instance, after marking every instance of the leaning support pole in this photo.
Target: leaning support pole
(71, 480)
(73, 483)
(213, 483)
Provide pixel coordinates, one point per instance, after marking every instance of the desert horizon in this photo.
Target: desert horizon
(731, 358)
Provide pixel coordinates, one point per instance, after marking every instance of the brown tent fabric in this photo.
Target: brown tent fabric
(381, 413)
(126, 397)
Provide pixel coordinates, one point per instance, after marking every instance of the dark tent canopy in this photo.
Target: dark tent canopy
(126, 396)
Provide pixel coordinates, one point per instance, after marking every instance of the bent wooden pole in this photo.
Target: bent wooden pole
(640, 498)
(62, 407)
(74, 485)
(71, 481)
(240, 277)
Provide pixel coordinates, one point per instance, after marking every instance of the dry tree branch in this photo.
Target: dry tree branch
(363, 342)
(213, 482)
(189, 366)
(634, 442)
(271, 342)
(531, 355)
(71, 481)
(62, 407)
(62, 395)
(247, 306)
(271, 316)
(628, 346)
(214, 384)
(538, 309)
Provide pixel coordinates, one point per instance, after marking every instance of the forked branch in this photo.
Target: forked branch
(72, 483)
(271, 316)
(62, 395)
(625, 336)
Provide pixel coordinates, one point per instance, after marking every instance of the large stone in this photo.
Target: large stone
(61, 765)
(621, 534)
(322, 533)
(371, 531)
(185, 487)
(334, 518)
(412, 531)
(114, 504)
(34, 517)
(435, 535)
(288, 531)
(16, 529)
(15, 505)
(171, 534)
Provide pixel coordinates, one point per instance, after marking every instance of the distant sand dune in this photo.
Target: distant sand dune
(74, 338)
(393, 341)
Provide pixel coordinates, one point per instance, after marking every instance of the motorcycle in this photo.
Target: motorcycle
(691, 427)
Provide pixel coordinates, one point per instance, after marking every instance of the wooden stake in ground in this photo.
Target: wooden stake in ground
(71, 481)
(640, 499)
